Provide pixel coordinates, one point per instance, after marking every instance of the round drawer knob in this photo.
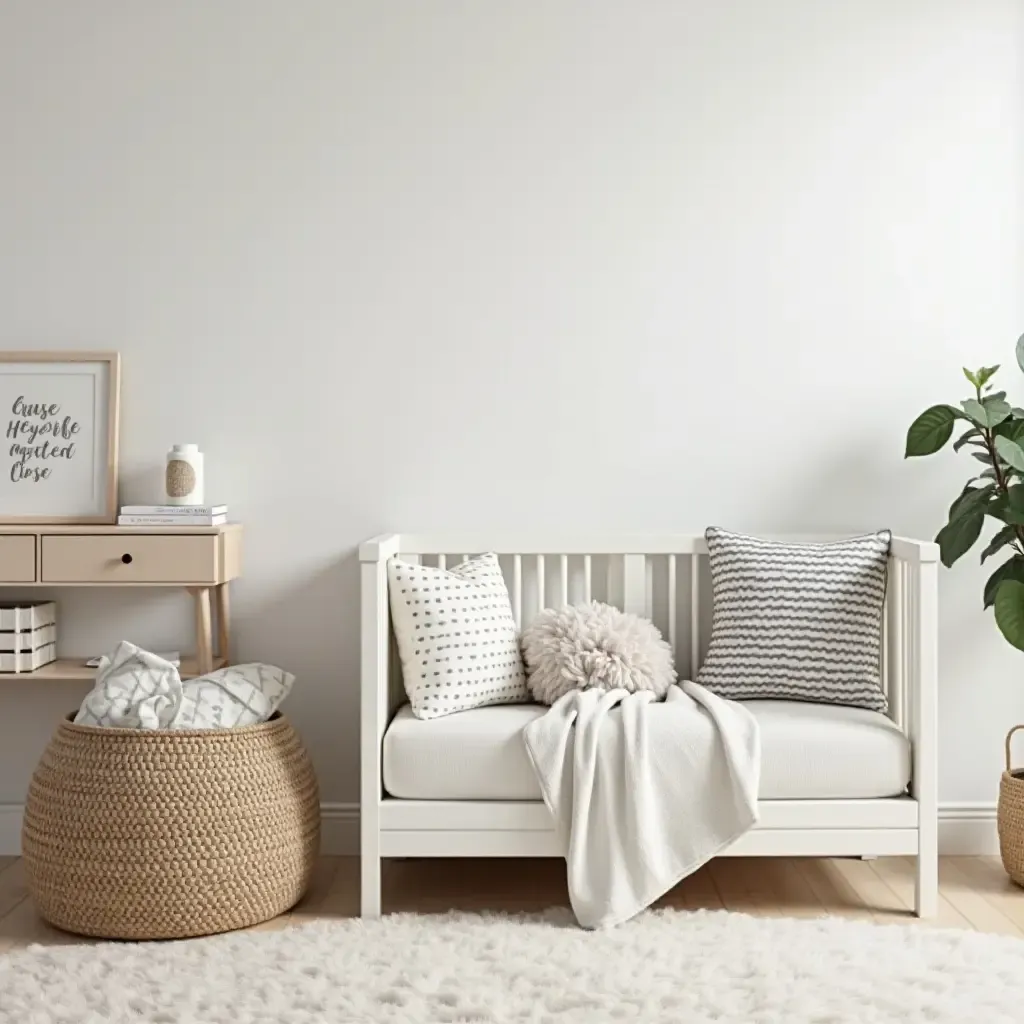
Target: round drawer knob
(126, 558)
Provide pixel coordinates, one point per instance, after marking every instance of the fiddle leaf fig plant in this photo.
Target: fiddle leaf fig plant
(992, 431)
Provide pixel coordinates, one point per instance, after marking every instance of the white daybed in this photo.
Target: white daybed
(835, 781)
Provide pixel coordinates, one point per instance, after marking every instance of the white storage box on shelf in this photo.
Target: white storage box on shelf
(28, 636)
(835, 781)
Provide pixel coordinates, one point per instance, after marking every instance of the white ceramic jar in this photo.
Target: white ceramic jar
(183, 479)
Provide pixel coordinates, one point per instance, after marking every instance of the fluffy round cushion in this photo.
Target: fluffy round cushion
(594, 645)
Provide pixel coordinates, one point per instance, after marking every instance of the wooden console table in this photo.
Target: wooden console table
(202, 559)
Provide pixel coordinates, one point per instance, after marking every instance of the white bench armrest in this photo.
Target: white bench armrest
(906, 549)
(379, 548)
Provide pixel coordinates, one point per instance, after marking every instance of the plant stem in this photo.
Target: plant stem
(1001, 486)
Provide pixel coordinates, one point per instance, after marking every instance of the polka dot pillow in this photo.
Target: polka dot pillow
(456, 636)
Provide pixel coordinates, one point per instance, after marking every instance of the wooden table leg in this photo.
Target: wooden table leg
(204, 630)
(223, 623)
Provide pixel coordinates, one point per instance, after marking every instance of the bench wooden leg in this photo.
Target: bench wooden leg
(370, 884)
(926, 889)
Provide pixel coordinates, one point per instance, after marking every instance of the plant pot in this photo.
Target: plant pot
(1010, 816)
(166, 834)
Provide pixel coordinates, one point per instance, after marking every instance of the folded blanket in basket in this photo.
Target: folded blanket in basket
(139, 690)
(643, 792)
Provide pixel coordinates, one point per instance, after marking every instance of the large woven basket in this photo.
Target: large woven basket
(1010, 816)
(146, 834)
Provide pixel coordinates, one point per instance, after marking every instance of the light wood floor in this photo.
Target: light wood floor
(975, 893)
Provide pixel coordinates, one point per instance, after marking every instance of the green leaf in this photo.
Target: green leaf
(1010, 452)
(982, 457)
(1017, 412)
(1011, 428)
(975, 411)
(989, 474)
(931, 430)
(999, 508)
(973, 377)
(970, 500)
(1015, 497)
(999, 541)
(995, 409)
(1012, 569)
(957, 536)
(1009, 605)
(1020, 351)
(988, 412)
(985, 374)
(998, 396)
(967, 437)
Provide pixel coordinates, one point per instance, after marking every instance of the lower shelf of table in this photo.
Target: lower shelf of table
(75, 669)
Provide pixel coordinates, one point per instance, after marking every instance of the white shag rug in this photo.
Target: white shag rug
(664, 966)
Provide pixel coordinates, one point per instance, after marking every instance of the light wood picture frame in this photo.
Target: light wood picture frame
(59, 413)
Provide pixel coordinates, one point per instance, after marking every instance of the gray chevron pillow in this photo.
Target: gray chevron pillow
(797, 621)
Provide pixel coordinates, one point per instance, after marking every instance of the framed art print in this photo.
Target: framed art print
(58, 411)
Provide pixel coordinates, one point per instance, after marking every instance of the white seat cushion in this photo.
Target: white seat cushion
(808, 751)
(828, 752)
(472, 755)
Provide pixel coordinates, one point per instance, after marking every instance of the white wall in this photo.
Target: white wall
(421, 265)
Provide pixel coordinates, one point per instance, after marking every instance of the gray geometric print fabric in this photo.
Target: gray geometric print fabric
(795, 621)
(136, 689)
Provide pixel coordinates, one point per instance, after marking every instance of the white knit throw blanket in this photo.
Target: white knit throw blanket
(643, 792)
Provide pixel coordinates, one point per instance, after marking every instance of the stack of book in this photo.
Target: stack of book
(173, 515)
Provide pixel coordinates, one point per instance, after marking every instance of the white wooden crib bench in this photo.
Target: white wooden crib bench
(835, 781)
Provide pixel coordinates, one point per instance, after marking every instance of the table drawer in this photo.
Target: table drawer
(17, 559)
(131, 558)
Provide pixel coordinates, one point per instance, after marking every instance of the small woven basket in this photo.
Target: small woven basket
(154, 834)
(1010, 816)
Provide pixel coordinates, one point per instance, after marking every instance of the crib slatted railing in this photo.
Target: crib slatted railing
(897, 646)
(671, 589)
(695, 595)
(673, 626)
(664, 587)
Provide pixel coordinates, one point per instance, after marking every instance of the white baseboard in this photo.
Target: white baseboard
(964, 829)
(968, 830)
(339, 829)
(10, 830)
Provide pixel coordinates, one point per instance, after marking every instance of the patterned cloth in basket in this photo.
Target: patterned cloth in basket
(138, 690)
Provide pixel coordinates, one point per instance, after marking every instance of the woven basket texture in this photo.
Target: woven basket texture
(1010, 816)
(145, 834)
